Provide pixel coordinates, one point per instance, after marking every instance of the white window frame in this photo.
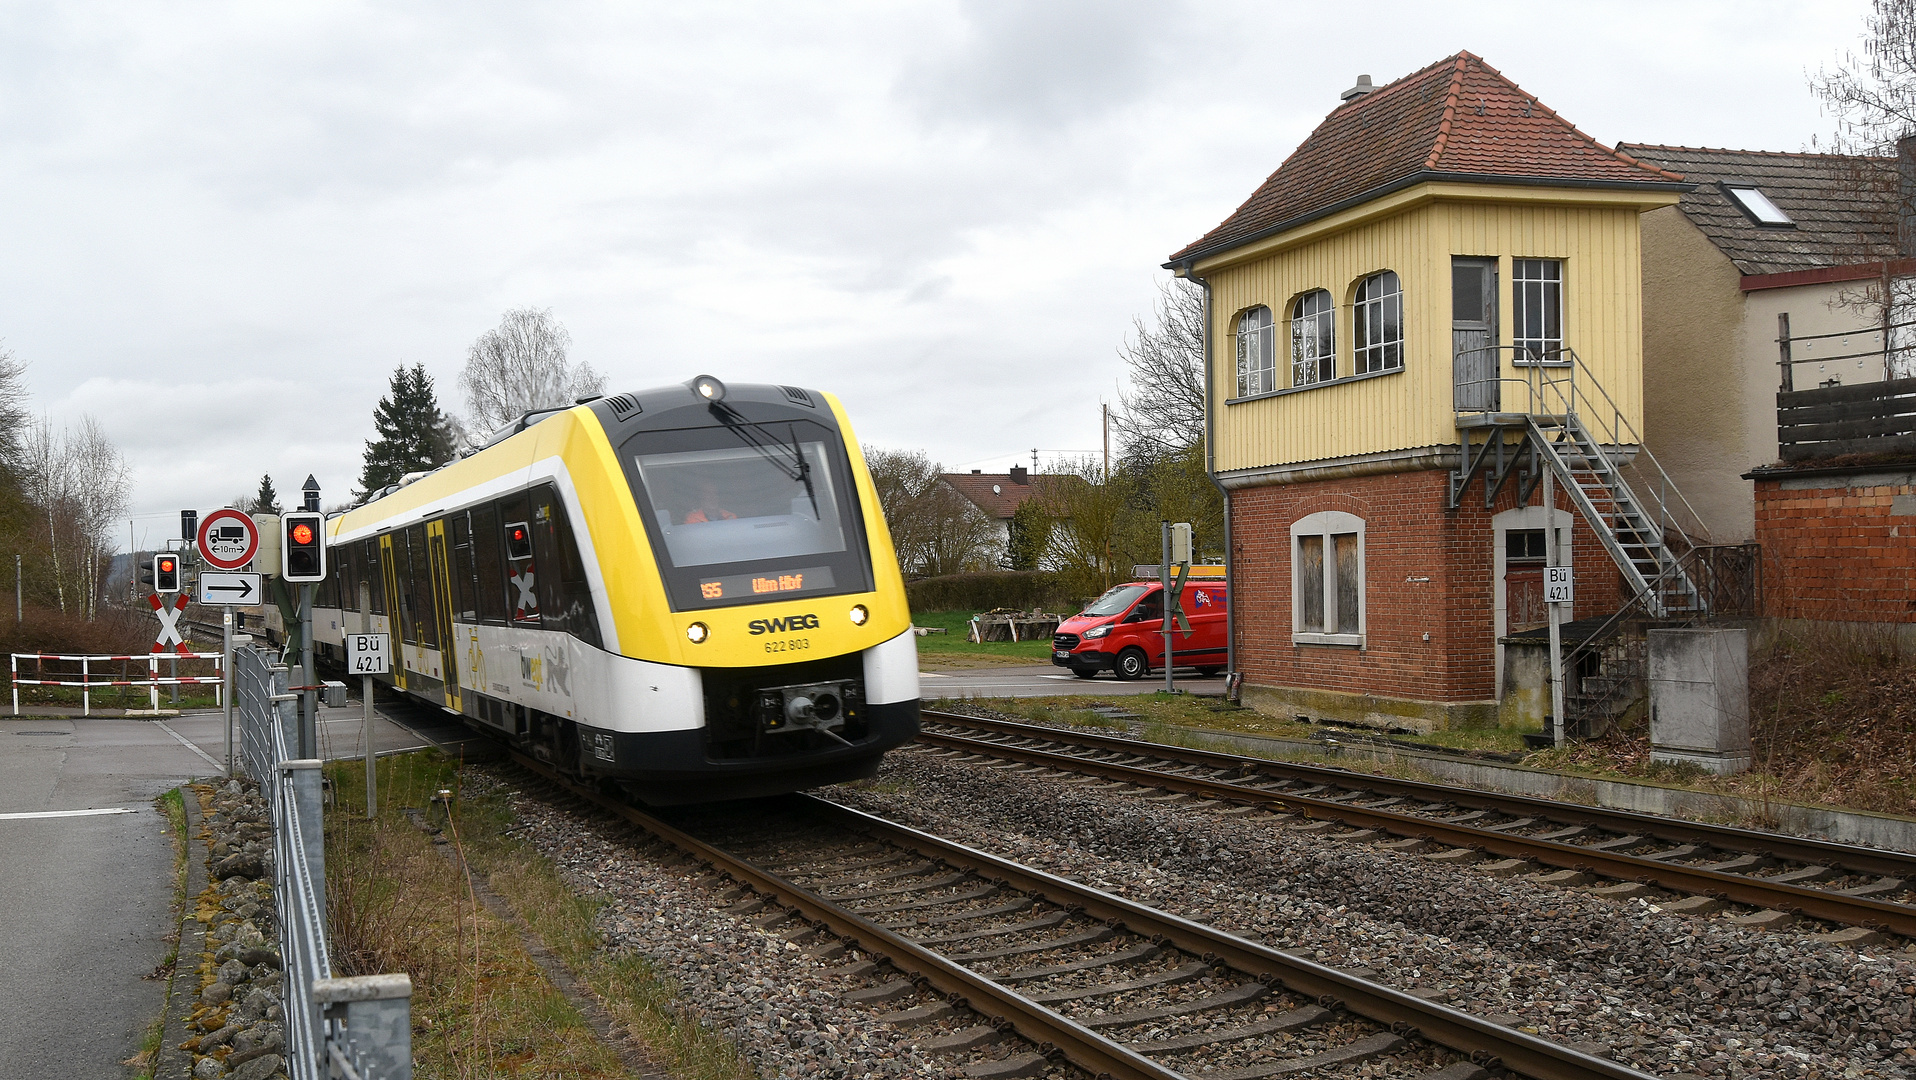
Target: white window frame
(1536, 293)
(1372, 317)
(1327, 524)
(1310, 363)
(1256, 352)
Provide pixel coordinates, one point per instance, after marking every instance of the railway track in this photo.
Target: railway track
(1781, 876)
(1032, 971)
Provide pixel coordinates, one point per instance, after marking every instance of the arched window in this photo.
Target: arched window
(1378, 321)
(1327, 579)
(1256, 353)
(1313, 339)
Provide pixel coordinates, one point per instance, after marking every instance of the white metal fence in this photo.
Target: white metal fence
(89, 678)
(357, 1028)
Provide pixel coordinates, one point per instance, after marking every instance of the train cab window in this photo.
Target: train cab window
(565, 597)
(522, 574)
(465, 604)
(488, 562)
(739, 512)
(374, 573)
(425, 614)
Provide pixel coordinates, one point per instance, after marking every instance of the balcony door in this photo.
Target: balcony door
(1473, 333)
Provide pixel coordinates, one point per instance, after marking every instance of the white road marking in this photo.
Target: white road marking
(184, 742)
(65, 813)
(1057, 676)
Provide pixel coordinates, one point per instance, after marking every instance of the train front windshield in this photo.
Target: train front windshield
(749, 513)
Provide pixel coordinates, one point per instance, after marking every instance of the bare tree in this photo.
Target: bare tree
(1164, 410)
(934, 529)
(78, 481)
(1873, 101)
(521, 365)
(14, 417)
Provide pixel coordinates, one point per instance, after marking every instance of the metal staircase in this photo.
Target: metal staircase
(1581, 439)
(1637, 541)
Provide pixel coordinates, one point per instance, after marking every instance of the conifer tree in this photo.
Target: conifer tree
(267, 501)
(413, 434)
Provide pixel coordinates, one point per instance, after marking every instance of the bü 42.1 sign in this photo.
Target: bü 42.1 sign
(369, 654)
(1559, 587)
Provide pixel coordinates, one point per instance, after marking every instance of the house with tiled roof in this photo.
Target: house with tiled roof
(1427, 316)
(1780, 386)
(998, 496)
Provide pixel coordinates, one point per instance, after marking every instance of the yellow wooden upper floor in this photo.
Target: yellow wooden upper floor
(1359, 304)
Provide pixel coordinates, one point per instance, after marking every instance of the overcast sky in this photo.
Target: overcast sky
(225, 224)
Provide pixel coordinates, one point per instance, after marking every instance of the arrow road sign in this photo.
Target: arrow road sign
(230, 590)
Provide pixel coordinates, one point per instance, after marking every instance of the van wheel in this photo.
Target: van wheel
(1085, 673)
(1209, 671)
(1131, 665)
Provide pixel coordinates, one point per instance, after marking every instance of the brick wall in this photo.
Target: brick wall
(1839, 552)
(1427, 570)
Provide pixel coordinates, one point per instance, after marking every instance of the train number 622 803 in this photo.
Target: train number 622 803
(790, 645)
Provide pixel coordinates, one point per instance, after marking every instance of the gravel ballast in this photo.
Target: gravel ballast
(1654, 990)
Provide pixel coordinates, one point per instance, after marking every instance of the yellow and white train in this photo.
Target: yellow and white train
(688, 591)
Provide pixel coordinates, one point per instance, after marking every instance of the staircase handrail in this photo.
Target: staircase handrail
(1617, 431)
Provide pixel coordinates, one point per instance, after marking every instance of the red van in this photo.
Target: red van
(1124, 630)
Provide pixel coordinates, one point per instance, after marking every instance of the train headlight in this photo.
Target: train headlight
(859, 614)
(708, 387)
(697, 633)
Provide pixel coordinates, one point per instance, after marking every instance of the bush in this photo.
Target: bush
(117, 631)
(1020, 589)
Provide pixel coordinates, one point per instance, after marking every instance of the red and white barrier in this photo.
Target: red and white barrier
(87, 683)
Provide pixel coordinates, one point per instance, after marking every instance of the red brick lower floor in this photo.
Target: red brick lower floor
(1433, 589)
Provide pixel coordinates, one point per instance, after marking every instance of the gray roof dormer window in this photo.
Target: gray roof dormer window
(1758, 206)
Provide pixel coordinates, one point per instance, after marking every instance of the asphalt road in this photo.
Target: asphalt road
(1048, 681)
(86, 899)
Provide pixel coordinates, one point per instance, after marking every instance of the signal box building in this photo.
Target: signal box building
(1433, 301)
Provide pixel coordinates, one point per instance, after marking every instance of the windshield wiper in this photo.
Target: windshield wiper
(797, 468)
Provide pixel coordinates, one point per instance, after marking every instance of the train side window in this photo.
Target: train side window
(465, 606)
(375, 574)
(339, 562)
(522, 573)
(564, 596)
(425, 621)
(407, 615)
(488, 564)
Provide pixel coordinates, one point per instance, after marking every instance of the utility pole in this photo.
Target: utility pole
(19, 605)
(1105, 410)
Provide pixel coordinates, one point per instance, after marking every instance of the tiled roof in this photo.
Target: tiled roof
(1844, 207)
(1002, 502)
(1458, 119)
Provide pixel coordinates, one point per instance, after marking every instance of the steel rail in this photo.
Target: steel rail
(1044, 1027)
(1737, 888)
(1489, 1044)
(1727, 837)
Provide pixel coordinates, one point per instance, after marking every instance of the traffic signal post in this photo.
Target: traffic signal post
(302, 554)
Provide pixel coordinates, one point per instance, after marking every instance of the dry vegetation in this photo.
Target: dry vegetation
(1832, 721)
(481, 1007)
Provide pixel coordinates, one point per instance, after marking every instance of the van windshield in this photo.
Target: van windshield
(1116, 601)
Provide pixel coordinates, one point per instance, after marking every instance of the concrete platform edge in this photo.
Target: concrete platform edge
(1843, 826)
(184, 991)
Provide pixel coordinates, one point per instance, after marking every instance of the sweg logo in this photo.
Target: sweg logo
(784, 625)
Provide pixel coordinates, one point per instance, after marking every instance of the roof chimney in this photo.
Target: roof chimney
(1018, 475)
(1363, 87)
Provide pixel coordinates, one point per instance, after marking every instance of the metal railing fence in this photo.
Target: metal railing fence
(356, 1028)
(1561, 384)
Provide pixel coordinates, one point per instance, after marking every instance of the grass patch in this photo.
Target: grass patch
(1171, 711)
(480, 1005)
(952, 644)
(172, 807)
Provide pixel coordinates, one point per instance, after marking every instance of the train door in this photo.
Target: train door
(442, 609)
(395, 618)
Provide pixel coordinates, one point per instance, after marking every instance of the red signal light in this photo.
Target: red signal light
(166, 566)
(302, 533)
